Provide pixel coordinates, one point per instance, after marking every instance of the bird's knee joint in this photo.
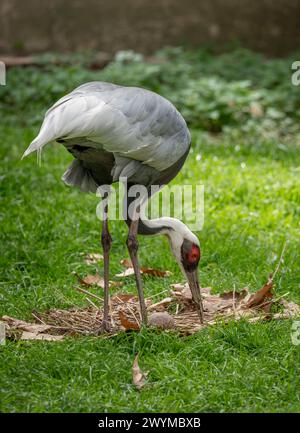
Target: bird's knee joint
(106, 241)
(132, 244)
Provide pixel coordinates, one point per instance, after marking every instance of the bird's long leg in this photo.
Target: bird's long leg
(132, 245)
(106, 244)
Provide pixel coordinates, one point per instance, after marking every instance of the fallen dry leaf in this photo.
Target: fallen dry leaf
(96, 280)
(31, 331)
(36, 336)
(124, 297)
(259, 296)
(126, 262)
(24, 326)
(127, 273)
(128, 324)
(155, 272)
(93, 258)
(138, 377)
(144, 270)
(92, 280)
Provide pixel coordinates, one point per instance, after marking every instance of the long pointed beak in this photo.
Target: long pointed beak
(196, 292)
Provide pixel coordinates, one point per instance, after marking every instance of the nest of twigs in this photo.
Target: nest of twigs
(176, 312)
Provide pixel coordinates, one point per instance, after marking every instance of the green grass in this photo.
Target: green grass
(238, 367)
(250, 171)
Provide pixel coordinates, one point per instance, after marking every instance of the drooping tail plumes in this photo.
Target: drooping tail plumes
(43, 138)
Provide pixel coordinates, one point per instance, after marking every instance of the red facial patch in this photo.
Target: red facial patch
(193, 256)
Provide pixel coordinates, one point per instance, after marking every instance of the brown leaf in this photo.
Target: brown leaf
(96, 280)
(128, 272)
(31, 331)
(261, 295)
(36, 336)
(155, 272)
(24, 326)
(144, 270)
(93, 258)
(266, 307)
(92, 280)
(138, 377)
(123, 297)
(127, 324)
(126, 262)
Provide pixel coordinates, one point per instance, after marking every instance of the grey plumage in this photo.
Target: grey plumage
(115, 131)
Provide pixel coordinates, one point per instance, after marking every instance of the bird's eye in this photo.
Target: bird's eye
(193, 256)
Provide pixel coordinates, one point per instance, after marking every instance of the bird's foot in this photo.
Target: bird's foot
(105, 327)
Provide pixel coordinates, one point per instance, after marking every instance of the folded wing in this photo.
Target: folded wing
(130, 122)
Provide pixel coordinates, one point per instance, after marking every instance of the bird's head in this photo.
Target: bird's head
(186, 249)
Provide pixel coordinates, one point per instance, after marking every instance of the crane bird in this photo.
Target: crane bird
(115, 131)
